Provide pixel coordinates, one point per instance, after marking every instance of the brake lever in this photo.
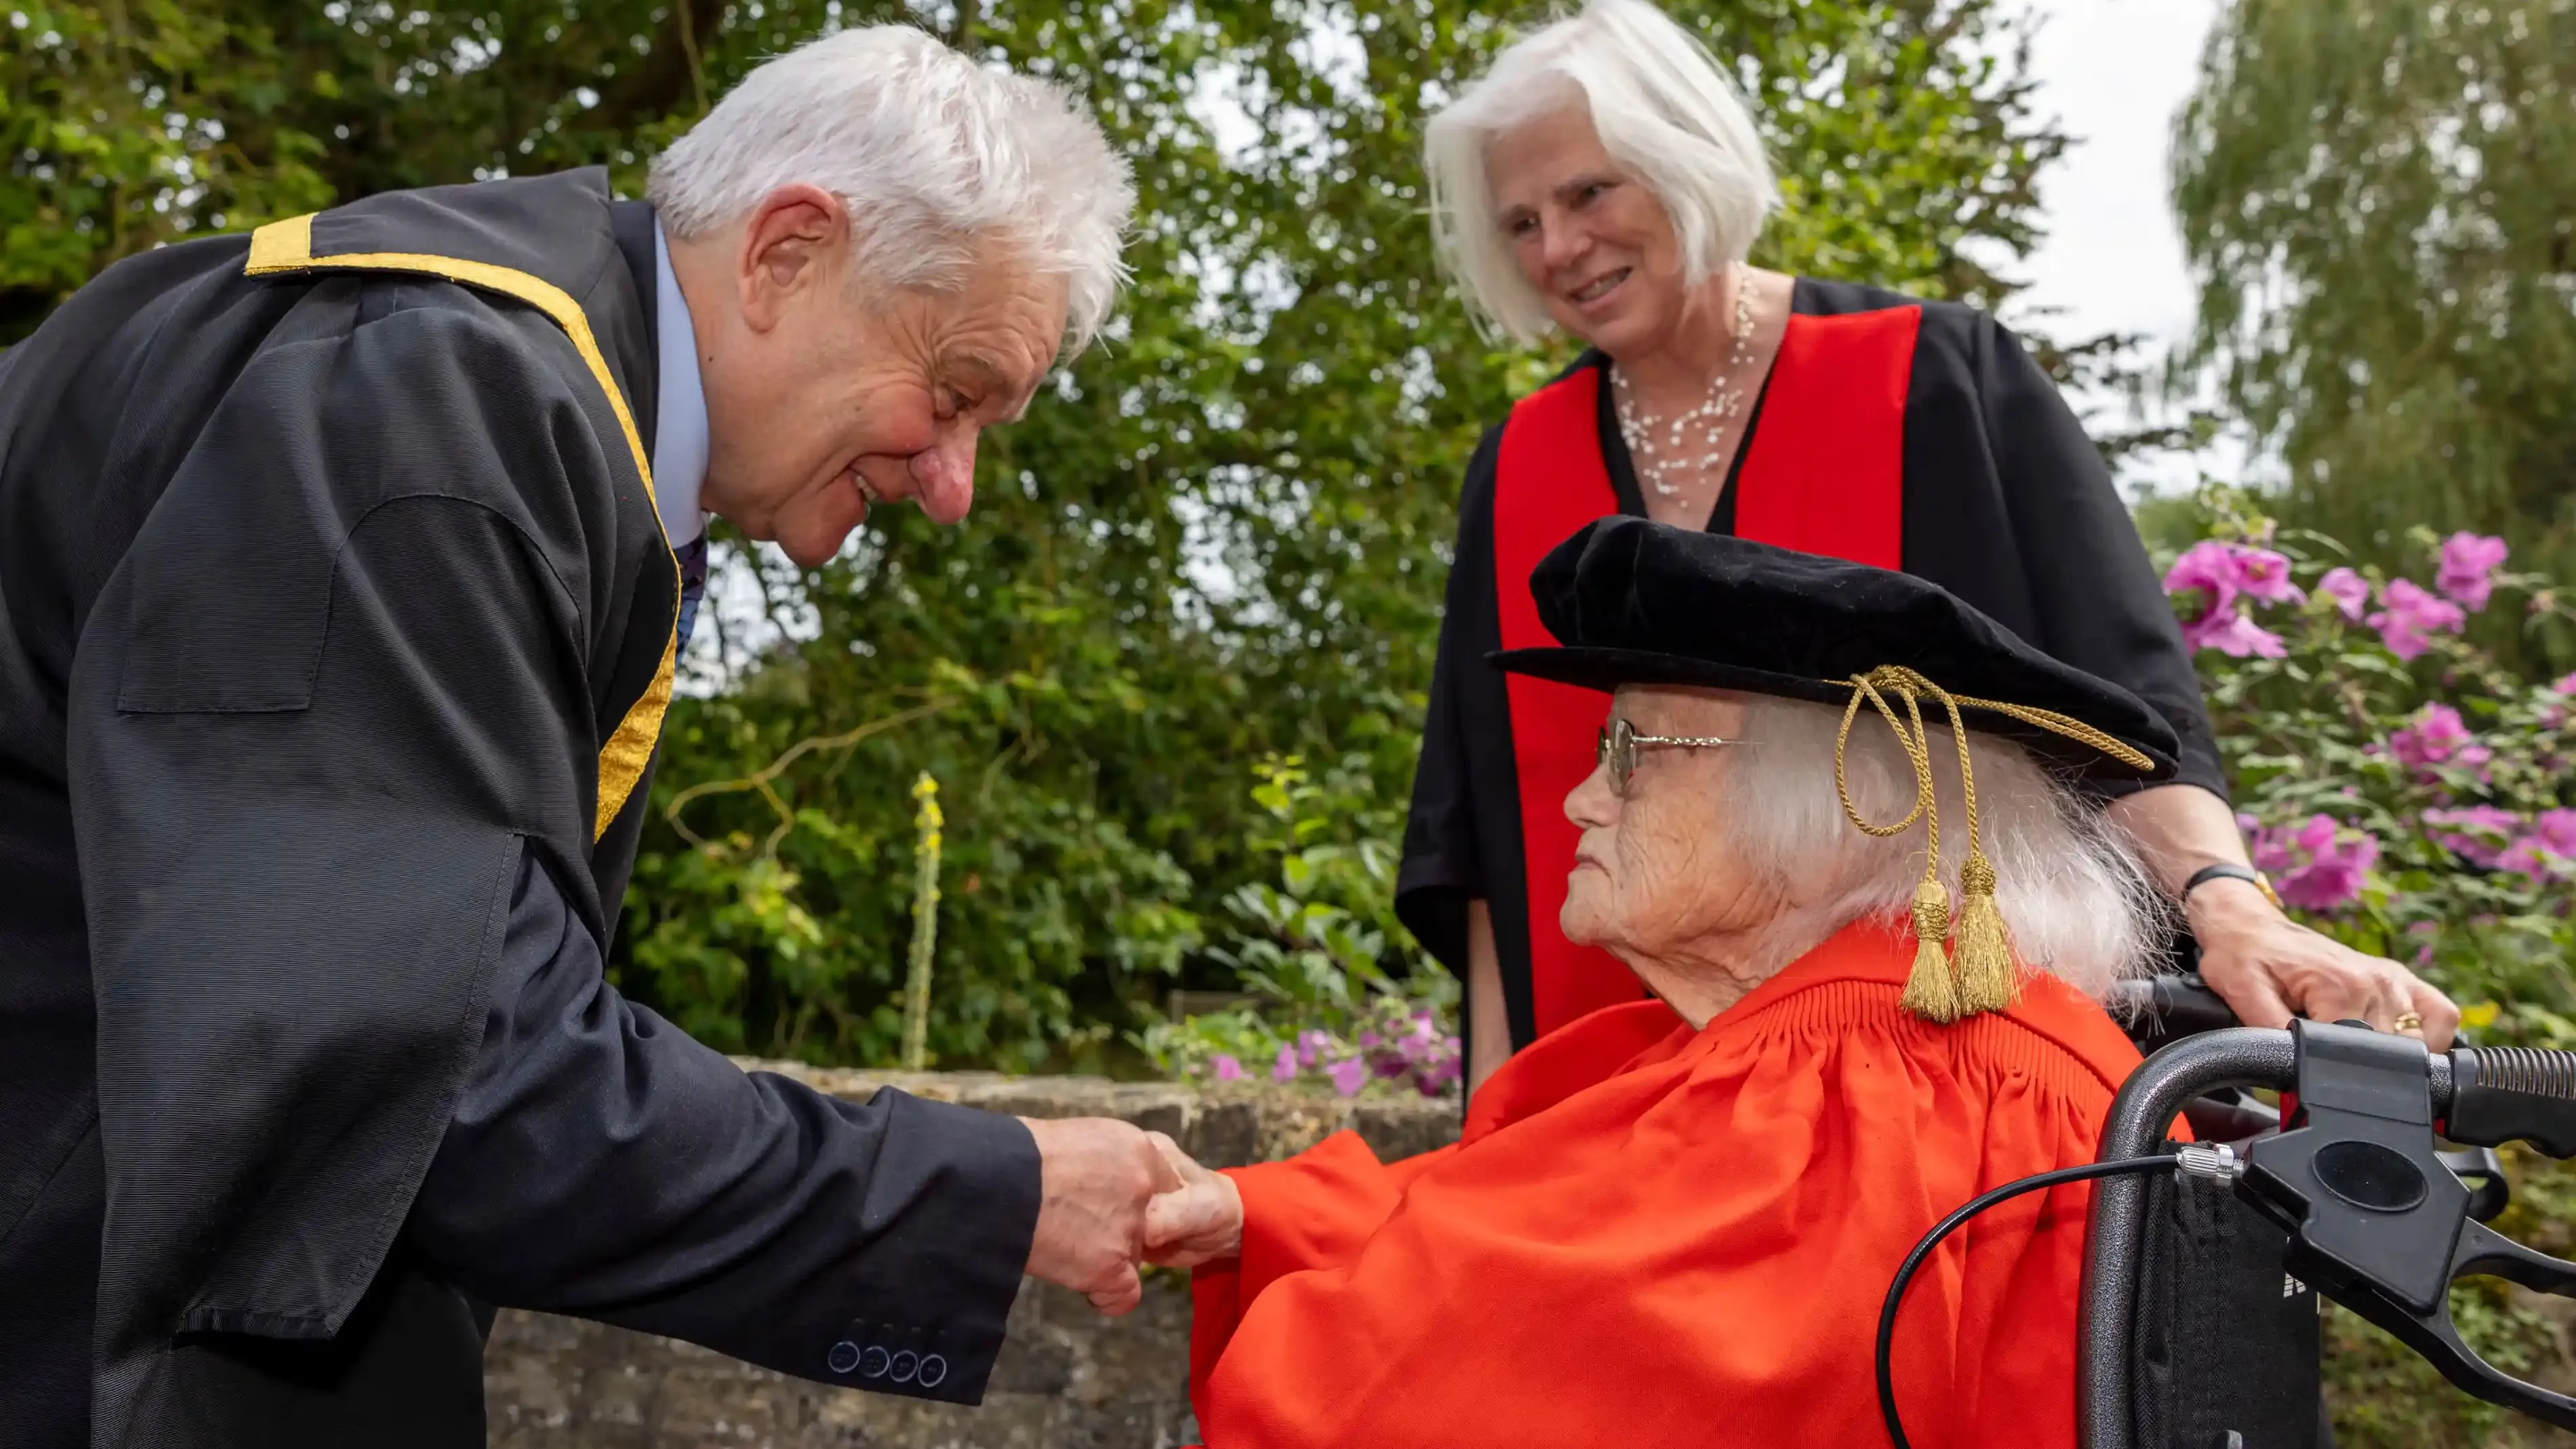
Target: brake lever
(2482, 1251)
(2378, 1221)
(2489, 1191)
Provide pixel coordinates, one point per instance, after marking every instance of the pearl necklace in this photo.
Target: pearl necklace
(1667, 463)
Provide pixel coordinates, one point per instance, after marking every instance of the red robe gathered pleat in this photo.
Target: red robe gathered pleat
(1650, 1235)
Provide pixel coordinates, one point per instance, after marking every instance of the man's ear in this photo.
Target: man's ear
(793, 244)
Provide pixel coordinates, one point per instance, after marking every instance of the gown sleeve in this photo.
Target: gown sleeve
(1315, 1210)
(2092, 586)
(1441, 871)
(604, 1164)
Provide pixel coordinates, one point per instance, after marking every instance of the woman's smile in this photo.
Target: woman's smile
(1599, 287)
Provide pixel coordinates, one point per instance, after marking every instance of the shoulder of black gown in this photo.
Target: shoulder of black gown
(1822, 297)
(2010, 505)
(562, 229)
(1442, 868)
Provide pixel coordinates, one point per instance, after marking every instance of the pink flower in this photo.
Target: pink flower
(2468, 562)
(2480, 834)
(2565, 686)
(1349, 1075)
(2548, 851)
(2320, 867)
(1227, 1068)
(2219, 571)
(2437, 737)
(2407, 624)
(1443, 1073)
(2557, 831)
(2350, 592)
(2265, 575)
(1285, 1069)
(2208, 567)
(2232, 634)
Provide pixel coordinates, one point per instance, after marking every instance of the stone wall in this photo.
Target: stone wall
(1067, 1377)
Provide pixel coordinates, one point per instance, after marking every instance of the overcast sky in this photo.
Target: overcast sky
(2114, 72)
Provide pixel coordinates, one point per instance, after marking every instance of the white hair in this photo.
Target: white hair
(1665, 111)
(941, 162)
(2071, 890)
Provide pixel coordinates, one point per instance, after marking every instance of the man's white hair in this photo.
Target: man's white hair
(941, 162)
(2072, 893)
(1665, 111)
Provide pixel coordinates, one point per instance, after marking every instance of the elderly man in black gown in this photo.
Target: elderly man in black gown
(343, 567)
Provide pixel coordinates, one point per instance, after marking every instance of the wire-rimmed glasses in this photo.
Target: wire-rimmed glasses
(1620, 742)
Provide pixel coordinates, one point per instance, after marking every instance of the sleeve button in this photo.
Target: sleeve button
(874, 1363)
(906, 1364)
(843, 1357)
(933, 1369)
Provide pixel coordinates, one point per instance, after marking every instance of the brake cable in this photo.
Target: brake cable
(2159, 1162)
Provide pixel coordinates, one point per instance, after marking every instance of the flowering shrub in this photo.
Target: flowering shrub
(2407, 792)
(1342, 999)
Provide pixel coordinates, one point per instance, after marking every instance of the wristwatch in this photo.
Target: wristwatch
(2225, 870)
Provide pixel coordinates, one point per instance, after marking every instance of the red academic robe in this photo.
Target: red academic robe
(1650, 1235)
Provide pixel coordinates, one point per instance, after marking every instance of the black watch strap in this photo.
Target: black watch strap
(2227, 870)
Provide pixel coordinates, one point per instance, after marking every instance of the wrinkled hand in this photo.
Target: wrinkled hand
(2270, 968)
(1200, 1221)
(1096, 1176)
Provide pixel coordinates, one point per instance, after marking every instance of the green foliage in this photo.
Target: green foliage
(2380, 199)
(131, 125)
(2444, 779)
(1333, 977)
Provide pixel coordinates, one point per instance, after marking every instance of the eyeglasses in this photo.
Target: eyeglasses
(1619, 744)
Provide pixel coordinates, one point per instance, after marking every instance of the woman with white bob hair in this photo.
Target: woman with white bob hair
(1877, 943)
(1605, 181)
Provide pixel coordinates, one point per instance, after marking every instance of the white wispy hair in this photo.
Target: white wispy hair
(2072, 892)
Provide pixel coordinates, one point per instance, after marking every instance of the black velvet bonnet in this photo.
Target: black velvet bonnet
(1637, 602)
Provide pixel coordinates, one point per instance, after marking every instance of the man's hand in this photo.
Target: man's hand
(1198, 1223)
(1097, 1175)
(2270, 968)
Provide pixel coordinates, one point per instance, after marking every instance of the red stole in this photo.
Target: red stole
(1826, 475)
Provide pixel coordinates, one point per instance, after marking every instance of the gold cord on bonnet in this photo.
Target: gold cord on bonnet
(1977, 974)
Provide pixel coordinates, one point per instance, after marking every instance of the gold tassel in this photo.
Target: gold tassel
(1930, 993)
(1987, 979)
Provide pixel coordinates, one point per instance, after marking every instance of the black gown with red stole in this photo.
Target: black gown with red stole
(1893, 432)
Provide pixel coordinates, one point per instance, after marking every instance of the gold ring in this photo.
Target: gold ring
(2408, 1021)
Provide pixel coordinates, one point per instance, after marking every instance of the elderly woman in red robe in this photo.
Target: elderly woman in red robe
(1875, 945)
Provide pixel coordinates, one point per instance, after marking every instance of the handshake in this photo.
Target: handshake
(1114, 1196)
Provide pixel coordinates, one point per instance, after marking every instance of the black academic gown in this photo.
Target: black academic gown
(336, 627)
(2006, 503)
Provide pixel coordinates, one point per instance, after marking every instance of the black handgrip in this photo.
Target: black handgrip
(2162, 1009)
(2513, 1094)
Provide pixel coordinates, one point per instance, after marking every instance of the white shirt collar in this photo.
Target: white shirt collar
(680, 415)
